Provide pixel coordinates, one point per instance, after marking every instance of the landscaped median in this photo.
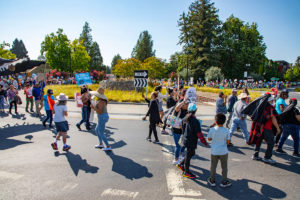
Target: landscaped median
(132, 96)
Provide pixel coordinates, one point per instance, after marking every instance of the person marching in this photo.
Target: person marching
(171, 102)
(2, 98)
(239, 119)
(231, 101)
(12, 98)
(160, 98)
(38, 96)
(101, 109)
(86, 109)
(190, 139)
(29, 97)
(290, 119)
(60, 111)
(49, 102)
(154, 118)
(219, 137)
(221, 104)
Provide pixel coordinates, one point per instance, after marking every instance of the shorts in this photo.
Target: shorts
(160, 108)
(62, 126)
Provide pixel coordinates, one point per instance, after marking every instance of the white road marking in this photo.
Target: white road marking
(10, 175)
(121, 193)
(70, 186)
(183, 198)
(236, 159)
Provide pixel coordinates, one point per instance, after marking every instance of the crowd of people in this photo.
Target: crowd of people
(272, 121)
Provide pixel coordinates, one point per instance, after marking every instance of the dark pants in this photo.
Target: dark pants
(14, 102)
(49, 116)
(85, 114)
(190, 152)
(268, 136)
(214, 163)
(279, 135)
(152, 127)
(293, 130)
(29, 101)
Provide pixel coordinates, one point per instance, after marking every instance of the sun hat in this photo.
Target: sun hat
(192, 107)
(98, 95)
(243, 95)
(62, 97)
(234, 90)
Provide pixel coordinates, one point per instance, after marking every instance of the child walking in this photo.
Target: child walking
(190, 139)
(60, 111)
(219, 137)
(153, 113)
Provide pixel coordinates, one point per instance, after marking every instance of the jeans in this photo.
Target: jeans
(85, 114)
(230, 114)
(49, 116)
(293, 130)
(100, 128)
(178, 149)
(214, 163)
(29, 100)
(237, 122)
(14, 102)
(152, 128)
(190, 152)
(268, 136)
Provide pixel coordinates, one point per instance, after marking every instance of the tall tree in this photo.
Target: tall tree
(57, 51)
(199, 30)
(19, 49)
(80, 58)
(114, 61)
(241, 44)
(5, 53)
(143, 48)
(86, 37)
(96, 61)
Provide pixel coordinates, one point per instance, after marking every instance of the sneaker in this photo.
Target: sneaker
(44, 124)
(149, 139)
(164, 132)
(77, 125)
(180, 167)
(156, 142)
(31, 111)
(211, 182)
(230, 144)
(276, 145)
(176, 162)
(26, 111)
(54, 146)
(256, 157)
(50, 126)
(188, 175)
(269, 161)
(280, 151)
(181, 158)
(16, 113)
(66, 147)
(296, 155)
(107, 148)
(226, 183)
(99, 146)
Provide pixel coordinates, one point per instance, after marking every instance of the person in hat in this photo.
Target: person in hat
(86, 108)
(60, 111)
(290, 119)
(101, 109)
(38, 96)
(29, 97)
(239, 119)
(190, 137)
(231, 101)
(49, 102)
(268, 121)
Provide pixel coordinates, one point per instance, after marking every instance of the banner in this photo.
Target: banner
(191, 95)
(83, 79)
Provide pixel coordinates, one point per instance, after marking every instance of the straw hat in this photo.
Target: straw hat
(243, 95)
(98, 95)
(62, 97)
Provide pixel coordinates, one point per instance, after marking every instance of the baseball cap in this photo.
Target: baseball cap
(192, 107)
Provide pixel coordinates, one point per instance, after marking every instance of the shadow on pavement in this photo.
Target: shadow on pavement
(19, 129)
(240, 188)
(77, 163)
(127, 167)
(236, 149)
(118, 144)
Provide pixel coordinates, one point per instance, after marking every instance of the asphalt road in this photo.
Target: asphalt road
(134, 169)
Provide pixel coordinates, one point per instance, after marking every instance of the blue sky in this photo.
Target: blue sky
(116, 24)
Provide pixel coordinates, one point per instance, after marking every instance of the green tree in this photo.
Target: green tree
(57, 51)
(214, 73)
(297, 62)
(114, 61)
(241, 44)
(199, 30)
(96, 61)
(5, 53)
(19, 49)
(156, 68)
(143, 47)
(125, 68)
(86, 37)
(80, 58)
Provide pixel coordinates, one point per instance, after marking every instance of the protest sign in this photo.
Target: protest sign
(83, 79)
(191, 95)
(78, 99)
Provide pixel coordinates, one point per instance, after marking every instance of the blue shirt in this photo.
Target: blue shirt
(279, 102)
(46, 102)
(220, 107)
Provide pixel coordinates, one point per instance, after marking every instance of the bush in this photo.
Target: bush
(297, 90)
(214, 73)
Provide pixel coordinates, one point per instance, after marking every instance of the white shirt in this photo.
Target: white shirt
(219, 136)
(59, 115)
(161, 96)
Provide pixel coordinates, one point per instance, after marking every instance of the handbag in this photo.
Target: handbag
(175, 121)
(18, 100)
